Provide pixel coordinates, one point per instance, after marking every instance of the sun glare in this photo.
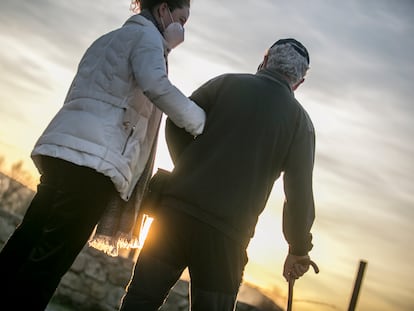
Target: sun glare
(145, 226)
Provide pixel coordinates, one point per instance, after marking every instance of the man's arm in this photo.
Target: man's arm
(177, 139)
(298, 209)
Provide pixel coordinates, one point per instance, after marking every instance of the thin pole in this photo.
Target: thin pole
(357, 286)
(290, 295)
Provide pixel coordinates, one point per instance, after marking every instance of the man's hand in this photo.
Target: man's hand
(296, 266)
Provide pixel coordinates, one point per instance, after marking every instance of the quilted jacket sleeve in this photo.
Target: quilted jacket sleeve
(151, 74)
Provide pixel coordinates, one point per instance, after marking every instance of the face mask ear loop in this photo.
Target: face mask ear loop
(162, 19)
(163, 25)
(172, 19)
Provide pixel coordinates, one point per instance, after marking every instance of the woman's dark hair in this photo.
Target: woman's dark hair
(172, 4)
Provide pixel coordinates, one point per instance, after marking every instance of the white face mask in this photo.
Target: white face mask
(174, 33)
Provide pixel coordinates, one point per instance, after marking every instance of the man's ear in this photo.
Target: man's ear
(263, 63)
(297, 84)
(265, 58)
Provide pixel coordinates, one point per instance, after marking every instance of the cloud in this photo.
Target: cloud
(358, 92)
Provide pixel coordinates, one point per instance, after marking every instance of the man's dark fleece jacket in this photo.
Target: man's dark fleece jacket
(255, 131)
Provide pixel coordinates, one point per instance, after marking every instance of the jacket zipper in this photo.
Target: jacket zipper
(127, 140)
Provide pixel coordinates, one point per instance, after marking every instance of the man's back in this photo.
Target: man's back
(225, 176)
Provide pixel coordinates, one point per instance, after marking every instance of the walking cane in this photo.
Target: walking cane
(292, 282)
(290, 294)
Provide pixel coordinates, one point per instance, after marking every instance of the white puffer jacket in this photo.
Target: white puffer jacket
(108, 121)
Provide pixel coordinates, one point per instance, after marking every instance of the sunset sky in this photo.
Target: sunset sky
(359, 93)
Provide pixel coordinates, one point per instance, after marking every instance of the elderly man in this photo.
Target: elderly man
(255, 130)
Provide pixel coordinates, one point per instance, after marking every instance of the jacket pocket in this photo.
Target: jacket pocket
(136, 135)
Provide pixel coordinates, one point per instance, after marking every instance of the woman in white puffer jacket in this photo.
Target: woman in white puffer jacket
(98, 144)
(108, 120)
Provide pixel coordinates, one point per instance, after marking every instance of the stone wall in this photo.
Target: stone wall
(96, 282)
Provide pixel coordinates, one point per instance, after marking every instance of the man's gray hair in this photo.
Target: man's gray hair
(284, 59)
